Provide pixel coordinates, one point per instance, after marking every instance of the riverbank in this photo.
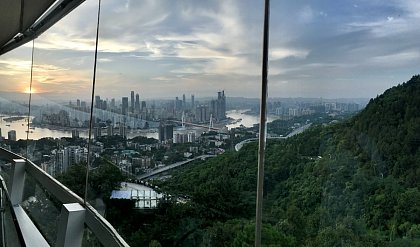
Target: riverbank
(13, 119)
(242, 117)
(84, 129)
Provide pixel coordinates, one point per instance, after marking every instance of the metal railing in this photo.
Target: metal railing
(74, 216)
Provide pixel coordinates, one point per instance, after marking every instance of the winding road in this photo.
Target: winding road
(299, 130)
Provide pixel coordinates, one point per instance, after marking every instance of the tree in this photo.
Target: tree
(102, 180)
(154, 243)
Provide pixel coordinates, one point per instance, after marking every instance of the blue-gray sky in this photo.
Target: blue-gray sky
(164, 48)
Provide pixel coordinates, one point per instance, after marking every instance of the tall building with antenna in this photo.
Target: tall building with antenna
(218, 106)
(137, 104)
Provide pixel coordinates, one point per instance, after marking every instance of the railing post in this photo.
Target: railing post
(17, 181)
(71, 225)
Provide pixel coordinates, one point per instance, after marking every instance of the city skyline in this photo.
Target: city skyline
(163, 48)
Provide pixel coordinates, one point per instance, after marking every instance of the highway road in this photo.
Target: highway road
(172, 166)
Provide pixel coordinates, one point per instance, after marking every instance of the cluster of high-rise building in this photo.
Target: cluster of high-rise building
(184, 137)
(215, 109)
(143, 162)
(61, 159)
(202, 112)
(184, 105)
(302, 109)
(133, 113)
(166, 132)
(129, 106)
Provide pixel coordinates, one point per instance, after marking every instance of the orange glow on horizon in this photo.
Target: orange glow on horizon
(28, 90)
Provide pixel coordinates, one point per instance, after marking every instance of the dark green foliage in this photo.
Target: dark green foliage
(144, 140)
(114, 140)
(391, 128)
(74, 178)
(102, 180)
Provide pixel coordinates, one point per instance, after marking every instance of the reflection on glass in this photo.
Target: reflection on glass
(8, 225)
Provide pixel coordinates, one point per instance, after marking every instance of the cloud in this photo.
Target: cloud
(397, 59)
(10, 67)
(167, 46)
(281, 53)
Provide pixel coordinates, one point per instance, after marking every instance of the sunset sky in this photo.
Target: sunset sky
(166, 48)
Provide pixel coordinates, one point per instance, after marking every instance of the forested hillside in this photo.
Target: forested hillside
(354, 183)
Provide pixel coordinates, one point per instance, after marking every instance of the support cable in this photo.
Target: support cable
(30, 99)
(91, 104)
(263, 131)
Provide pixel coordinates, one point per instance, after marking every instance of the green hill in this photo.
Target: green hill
(354, 183)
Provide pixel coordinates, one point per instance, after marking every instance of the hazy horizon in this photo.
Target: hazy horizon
(23, 97)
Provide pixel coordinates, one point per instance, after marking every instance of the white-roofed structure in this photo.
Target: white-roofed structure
(144, 197)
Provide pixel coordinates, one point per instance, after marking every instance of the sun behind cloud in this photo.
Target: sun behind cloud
(28, 90)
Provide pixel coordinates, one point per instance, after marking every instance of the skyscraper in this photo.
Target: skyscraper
(104, 105)
(110, 130)
(75, 133)
(192, 102)
(137, 104)
(143, 106)
(112, 106)
(97, 132)
(11, 135)
(221, 106)
(218, 106)
(184, 103)
(124, 107)
(202, 113)
(166, 132)
(123, 130)
(97, 101)
(132, 102)
(177, 104)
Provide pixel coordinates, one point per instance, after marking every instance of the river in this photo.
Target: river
(37, 133)
(246, 120)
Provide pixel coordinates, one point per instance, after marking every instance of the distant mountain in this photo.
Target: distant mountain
(391, 122)
(37, 98)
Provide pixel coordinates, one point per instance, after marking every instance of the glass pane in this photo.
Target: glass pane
(43, 209)
(5, 170)
(8, 226)
(179, 81)
(14, 78)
